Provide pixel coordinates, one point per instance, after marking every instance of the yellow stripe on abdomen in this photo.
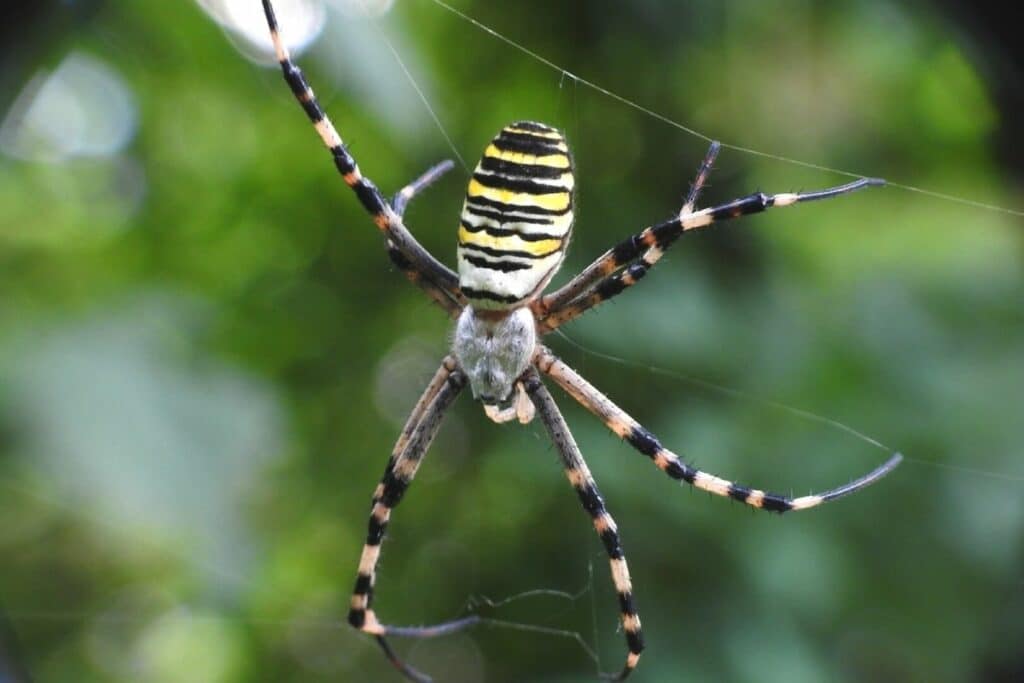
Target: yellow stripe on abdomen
(517, 216)
(511, 243)
(554, 160)
(558, 201)
(549, 134)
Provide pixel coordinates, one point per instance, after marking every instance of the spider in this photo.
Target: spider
(513, 233)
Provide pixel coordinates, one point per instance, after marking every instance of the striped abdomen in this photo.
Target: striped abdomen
(517, 217)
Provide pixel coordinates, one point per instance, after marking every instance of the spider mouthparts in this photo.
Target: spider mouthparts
(496, 403)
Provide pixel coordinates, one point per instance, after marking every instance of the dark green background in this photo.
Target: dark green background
(200, 379)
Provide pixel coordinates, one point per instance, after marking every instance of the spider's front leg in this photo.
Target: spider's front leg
(633, 433)
(586, 489)
(405, 460)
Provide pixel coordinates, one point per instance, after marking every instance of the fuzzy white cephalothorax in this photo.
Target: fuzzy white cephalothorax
(494, 352)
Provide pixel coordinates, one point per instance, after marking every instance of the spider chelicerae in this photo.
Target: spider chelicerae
(513, 233)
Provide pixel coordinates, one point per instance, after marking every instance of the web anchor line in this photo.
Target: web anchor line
(696, 133)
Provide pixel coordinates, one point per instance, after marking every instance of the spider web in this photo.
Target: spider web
(565, 73)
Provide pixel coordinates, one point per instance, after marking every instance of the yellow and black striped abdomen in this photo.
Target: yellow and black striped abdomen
(517, 217)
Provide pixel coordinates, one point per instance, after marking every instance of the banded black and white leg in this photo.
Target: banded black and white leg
(603, 279)
(440, 378)
(628, 250)
(586, 489)
(628, 429)
(411, 447)
(384, 216)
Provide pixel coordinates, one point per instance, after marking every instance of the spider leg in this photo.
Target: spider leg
(441, 296)
(615, 258)
(402, 198)
(702, 177)
(383, 215)
(600, 281)
(451, 304)
(448, 366)
(628, 429)
(412, 444)
(586, 489)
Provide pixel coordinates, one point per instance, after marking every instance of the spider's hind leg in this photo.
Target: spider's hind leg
(440, 282)
(401, 200)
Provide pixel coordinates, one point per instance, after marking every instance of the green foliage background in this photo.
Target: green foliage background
(200, 379)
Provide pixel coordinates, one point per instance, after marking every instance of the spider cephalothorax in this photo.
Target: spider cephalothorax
(513, 233)
(494, 349)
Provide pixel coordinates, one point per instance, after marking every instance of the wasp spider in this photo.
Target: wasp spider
(513, 233)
